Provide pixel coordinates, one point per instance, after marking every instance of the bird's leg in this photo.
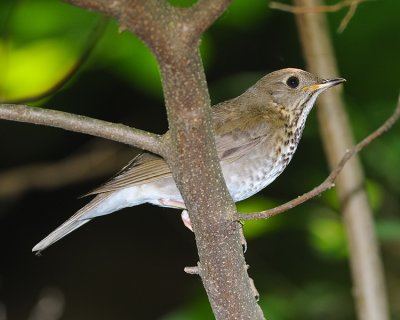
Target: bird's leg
(186, 220)
(242, 238)
(188, 224)
(171, 203)
(178, 205)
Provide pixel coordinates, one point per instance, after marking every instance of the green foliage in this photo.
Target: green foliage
(256, 203)
(388, 230)
(327, 235)
(35, 56)
(242, 15)
(198, 309)
(39, 55)
(34, 67)
(182, 3)
(316, 300)
(129, 58)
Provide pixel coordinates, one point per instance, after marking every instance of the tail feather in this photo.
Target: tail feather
(66, 228)
(92, 209)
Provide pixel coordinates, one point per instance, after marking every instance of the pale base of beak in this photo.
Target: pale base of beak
(325, 85)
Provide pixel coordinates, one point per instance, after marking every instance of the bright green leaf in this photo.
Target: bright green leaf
(33, 68)
(327, 235)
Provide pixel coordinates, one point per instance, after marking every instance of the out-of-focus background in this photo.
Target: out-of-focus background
(129, 265)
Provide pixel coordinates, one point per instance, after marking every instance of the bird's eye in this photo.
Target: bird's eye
(293, 82)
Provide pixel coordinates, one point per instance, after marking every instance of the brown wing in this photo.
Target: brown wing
(238, 131)
(143, 168)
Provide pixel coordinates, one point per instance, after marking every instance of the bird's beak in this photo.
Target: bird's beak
(325, 84)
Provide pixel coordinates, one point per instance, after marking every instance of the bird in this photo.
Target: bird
(256, 135)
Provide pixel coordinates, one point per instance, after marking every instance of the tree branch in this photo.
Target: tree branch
(329, 181)
(155, 22)
(205, 12)
(366, 266)
(173, 36)
(353, 4)
(72, 122)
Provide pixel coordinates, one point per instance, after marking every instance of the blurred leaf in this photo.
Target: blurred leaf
(330, 198)
(388, 229)
(245, 14)
(232, 85)
(315, 300)
(276, 306)
(182, 3)
(374, 192)
(33, 68)
(199, 309)
(327, 235)
(52, 18)
(257, 228)
(131, 59)
(36, 56)
(374, 22)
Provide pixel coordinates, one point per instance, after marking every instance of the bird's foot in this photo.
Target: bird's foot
(186, 220)
(188, 224)
(243, 239)
(171, 203)
(241, 234)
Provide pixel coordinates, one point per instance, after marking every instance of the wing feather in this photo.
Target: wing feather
(144, 168)
(238, 132)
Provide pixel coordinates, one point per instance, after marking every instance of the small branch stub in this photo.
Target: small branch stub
(192, 270)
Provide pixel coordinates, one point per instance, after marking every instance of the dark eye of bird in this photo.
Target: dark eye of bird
(293, 82)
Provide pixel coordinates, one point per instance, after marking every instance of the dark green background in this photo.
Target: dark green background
(130, 265)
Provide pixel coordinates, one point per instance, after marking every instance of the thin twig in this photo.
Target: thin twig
(329, 181)
(345, 21)
(353, 4)
(322, 8)
(77, 123)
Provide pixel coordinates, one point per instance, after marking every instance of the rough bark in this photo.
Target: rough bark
(173, 35)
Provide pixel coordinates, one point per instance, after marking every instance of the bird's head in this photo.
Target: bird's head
(294, 90)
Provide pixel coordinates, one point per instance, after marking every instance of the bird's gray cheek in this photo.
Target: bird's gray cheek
(276, 96)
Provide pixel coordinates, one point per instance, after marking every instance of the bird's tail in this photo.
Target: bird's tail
(97, 207)
(66, 228)
(104, 203)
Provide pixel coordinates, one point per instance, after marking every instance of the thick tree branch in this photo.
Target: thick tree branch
(72, 122)
(173, 35)
(329, 181)
(160, 24)
(205, 12)
(145, 18)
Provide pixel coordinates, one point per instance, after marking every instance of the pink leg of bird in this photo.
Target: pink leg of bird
(186, 219)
